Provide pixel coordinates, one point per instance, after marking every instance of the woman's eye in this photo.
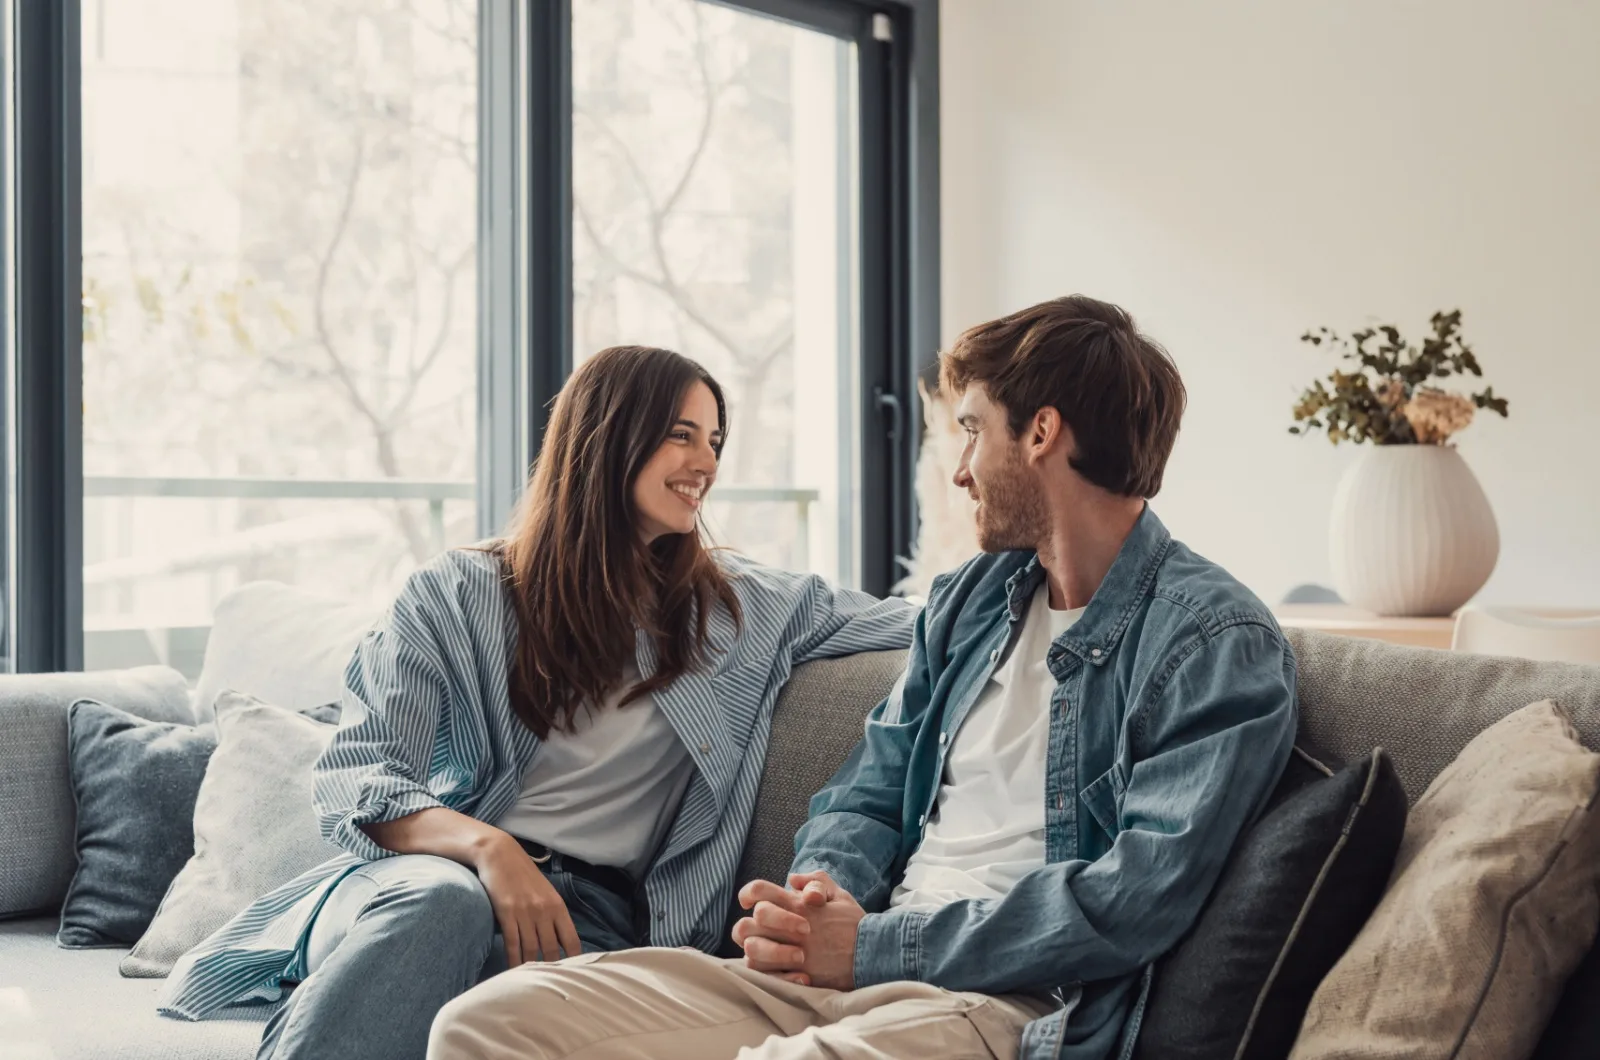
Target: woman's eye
(682, 436)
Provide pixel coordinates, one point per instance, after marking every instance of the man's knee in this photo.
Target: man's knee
(454, 1034)
(500, 1017)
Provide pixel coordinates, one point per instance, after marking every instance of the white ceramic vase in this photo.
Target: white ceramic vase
(1412, 532)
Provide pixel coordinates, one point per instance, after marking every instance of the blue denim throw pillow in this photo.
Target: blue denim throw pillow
(135, 782)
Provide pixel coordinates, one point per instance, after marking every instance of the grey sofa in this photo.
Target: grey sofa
(1421, 705)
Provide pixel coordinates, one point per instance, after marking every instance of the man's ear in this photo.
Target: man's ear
(1043, 434)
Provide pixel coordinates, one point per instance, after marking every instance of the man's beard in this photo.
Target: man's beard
(1011, 512)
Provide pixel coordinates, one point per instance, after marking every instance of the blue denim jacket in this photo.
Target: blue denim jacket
(1171, 720)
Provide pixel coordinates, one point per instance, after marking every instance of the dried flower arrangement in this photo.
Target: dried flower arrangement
(1387, 400)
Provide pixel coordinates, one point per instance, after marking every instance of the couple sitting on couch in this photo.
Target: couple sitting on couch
(551, 748)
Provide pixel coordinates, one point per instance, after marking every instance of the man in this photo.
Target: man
(1089, 717)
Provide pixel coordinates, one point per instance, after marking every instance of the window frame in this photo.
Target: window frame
(898, 149)
(525, 281)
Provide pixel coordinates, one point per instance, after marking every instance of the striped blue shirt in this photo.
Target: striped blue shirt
(427, 722)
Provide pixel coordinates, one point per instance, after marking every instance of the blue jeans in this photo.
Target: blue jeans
(395, 941)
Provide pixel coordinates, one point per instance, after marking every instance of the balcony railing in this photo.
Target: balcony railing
(130, 639)
(435, 493)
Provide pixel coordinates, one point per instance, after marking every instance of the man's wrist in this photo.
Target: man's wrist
(887, 947)
(837, 874)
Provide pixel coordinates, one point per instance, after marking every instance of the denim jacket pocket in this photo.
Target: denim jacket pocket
(1103, 797)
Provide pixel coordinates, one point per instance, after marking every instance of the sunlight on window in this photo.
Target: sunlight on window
(279, 303)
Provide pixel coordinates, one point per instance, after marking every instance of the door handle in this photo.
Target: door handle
(889, 405)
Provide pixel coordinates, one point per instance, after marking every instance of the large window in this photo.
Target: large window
(715, 212)
(290, 284)
(279, 243)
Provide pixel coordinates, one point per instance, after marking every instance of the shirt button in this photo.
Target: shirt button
(705, 748)
(661, 914)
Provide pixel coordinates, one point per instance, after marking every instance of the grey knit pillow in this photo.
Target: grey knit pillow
(135, 783)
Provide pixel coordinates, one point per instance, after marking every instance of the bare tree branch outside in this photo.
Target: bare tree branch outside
(280, 224)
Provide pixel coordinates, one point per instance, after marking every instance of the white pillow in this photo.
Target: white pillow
(281, 644)
(254, 828)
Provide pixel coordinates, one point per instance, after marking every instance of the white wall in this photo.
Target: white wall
(1234, 173)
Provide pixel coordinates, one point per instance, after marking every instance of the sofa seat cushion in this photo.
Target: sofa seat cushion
(73, 1006)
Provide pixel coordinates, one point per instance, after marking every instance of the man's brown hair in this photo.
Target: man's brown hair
(1116, 388)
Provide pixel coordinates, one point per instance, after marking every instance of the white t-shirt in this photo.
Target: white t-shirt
(608, 791)
(987, 829)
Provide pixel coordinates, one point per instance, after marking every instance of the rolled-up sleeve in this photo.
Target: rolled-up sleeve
(833, 621)
(376, 768)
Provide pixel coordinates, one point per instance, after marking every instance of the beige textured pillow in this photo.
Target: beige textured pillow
(254, 828)
(1492, 903)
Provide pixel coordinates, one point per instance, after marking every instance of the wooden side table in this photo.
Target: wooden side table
(1353, 622)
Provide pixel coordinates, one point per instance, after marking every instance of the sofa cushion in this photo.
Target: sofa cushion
(36, 814)
(1492, 904)
(281, 644)
(71, 1005)
(135, 783)
(1423, 705)
(1297, 888)
(254, 828)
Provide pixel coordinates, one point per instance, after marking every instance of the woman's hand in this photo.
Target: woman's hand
(532, 917)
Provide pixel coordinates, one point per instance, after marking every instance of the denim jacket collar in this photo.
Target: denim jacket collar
(1095, 635)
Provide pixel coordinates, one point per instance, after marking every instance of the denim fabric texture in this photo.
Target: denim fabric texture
(396, 940)
(1171, 721)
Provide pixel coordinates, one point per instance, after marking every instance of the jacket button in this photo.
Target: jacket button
(1061, 801)
(923, 819)
(994, 656)
(1095, 652)
(943, 736)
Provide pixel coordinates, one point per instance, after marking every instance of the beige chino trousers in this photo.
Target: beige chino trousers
(680, 1004)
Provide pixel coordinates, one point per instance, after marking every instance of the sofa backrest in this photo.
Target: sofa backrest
(37, 809)
(1419, 704)
(817, 720)
(1423, 705)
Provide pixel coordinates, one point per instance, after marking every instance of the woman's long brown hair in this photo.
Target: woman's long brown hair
(581, 578)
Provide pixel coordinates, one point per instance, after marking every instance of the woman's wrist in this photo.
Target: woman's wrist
(489, 842)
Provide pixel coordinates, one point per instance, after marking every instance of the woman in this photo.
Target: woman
(550, 745)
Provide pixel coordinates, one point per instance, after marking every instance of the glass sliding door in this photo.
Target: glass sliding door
(280, 240)
(715, 188)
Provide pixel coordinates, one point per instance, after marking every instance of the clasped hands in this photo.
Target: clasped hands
(805, 932)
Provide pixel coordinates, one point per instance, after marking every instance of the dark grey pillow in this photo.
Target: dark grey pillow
(1297, 888)
(1574, 1027)
(135, 783)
